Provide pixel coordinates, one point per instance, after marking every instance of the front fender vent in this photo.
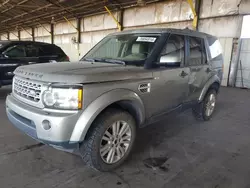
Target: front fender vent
(144, 88)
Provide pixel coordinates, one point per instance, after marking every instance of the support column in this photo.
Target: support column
(19, 35)
(52, 33)
(191, 4)
(78, 30)
(33, 33)
(8, 35)
(114, 18)
(197, 10)
(120, 18)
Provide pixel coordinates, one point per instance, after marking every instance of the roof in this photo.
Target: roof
(4, 41)
(23, 42)
(22, 14)
(163, 30)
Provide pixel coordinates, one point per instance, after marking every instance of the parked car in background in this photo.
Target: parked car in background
(17, 53)
(127, 81)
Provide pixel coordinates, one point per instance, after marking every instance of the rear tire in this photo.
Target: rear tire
(109, 141)
(205, 109)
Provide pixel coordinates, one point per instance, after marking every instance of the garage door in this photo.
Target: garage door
(243, 72)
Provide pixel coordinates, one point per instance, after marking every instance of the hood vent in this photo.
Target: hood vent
(144, 88)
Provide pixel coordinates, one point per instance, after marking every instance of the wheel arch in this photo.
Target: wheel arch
(131, 107)
(216, 86)
(119, 98)
(214, 83)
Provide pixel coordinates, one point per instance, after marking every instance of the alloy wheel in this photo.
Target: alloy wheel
(115, 142)
(210, 106)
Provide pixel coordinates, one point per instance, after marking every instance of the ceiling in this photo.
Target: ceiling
(22, 14)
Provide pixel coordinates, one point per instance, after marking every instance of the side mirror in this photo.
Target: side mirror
(4, 55)
(170, 61)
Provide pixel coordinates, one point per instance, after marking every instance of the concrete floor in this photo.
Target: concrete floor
(177, 152)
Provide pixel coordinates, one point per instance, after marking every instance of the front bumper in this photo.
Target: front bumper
(30, 121)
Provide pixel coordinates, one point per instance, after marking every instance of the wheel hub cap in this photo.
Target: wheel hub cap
(115, 142)
(210, 106)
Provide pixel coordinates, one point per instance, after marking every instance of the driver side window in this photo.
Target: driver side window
(174, 51)
(15, 51)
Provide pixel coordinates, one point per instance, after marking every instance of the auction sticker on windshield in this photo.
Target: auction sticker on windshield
(146, 39)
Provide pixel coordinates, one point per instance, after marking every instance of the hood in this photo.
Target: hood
(81, 72)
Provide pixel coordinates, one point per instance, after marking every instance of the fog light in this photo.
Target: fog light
(46, 124)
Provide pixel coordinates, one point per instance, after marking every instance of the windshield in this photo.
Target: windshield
(129, 48)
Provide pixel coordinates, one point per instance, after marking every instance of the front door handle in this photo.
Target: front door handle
(183, 74)
(208, 70)
(196, 69)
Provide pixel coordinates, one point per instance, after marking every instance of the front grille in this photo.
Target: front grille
(28, 89)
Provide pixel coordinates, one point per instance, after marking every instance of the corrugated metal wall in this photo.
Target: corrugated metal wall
(243, 72)
(227, 45)
(26, 35)
(42, 33)
(14, 35)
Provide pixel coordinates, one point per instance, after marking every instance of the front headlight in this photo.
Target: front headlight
(63, 97)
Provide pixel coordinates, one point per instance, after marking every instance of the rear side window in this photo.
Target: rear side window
(215, 48)
(197, 53)
(50, 50)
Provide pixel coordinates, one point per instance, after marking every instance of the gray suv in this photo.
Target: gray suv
(128, 80)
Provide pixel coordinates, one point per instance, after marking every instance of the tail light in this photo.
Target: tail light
(67, 58)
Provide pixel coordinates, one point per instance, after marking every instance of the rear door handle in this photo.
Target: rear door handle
(183, 74)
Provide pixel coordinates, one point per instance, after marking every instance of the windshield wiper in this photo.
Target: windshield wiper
(93, 59)
(115, 61)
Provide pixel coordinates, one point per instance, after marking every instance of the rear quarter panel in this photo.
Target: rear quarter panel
(215, 55)
(215, 61)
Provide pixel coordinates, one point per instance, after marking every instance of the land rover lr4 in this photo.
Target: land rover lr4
(128, 80)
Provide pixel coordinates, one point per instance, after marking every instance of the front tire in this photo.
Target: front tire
(205, 109)
(109, 141)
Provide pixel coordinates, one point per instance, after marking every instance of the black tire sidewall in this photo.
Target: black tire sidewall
(101, 124)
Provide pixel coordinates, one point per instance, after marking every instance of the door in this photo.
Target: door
(11, 58)
(170, 86)
(200, 70)
(31, 54)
